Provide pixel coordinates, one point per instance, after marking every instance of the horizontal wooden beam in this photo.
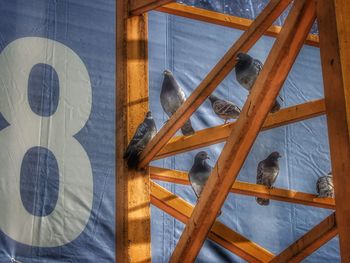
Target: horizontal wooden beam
(309, 242)
(243, 188)
(206, 137)
(264, 92)
(271, 12)
(138, 7)
(224, 20)
(221, 234)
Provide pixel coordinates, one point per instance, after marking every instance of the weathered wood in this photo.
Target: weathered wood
(243, 188)
(215, 76)
(334, 26)
(224, 20)
(221, 234)
(138, 7)
(252, 117)
(209, 136)
(132, 188)
(310, 242)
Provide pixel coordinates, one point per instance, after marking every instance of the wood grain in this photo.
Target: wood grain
(224, 20)
(213, 79)
(310, 242)
(334, 27)
(263, 94)
(209, 136)
(132, 187)
(243, 188)
(220, 233)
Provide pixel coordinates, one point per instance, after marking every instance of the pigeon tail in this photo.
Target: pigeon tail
(263, 201)
(276, 107)
(187, 129)
(133, 158)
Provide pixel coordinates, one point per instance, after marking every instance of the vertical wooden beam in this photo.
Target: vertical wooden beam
(252, 117)
(334, 26)
(132, 187)
(309, 243)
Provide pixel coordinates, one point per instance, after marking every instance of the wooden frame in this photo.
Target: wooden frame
(133, 233)
(133, 210)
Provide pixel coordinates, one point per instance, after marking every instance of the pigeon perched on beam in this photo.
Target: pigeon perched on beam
(224, 109)
(143, 134)
(171, 99)
(247, 70)
(267, 173)
(199, 173)
(325, 187)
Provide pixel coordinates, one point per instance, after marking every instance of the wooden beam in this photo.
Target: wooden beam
(243, 188)
(215, 76)
(309, 242)
(209, 136)
(132, 187)
(334, 26)
(221, 234)
(138, 7)
(224, 20)
(263, 94)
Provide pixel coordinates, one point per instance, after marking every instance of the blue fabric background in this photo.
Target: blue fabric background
(88, 28)
(190, 49)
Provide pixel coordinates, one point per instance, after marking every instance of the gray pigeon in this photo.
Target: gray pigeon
(144, 133)
(324, 186)
(267, 173)
(171, 98)
(247, 70)
(199, 173)
(223, 108)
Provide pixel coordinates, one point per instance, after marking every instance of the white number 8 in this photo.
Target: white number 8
(27, 130)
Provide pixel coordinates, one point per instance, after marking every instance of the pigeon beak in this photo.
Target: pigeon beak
(208, 157)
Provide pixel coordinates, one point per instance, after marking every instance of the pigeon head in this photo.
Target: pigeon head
(330, 174)
(243, 60)
(167, 72)
(213, 98)
(274, 156)
(201, 156)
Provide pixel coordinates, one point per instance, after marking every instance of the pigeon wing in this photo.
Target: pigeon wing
(260, 173)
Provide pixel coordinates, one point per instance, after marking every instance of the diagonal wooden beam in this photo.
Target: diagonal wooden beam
(212, 80)
(252, 117)
(243, 188)
(220, 233)
(138, 7)
(334, 26)
(206, 137)
(223, 20)
(310, 242)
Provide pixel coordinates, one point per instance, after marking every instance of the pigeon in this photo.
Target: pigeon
(247, 70)
(199, 173)
(267, 173)
(324, 186)
(144, 133)
(223, 108)
(172, 97)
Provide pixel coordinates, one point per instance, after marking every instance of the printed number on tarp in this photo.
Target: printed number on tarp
(27, 129)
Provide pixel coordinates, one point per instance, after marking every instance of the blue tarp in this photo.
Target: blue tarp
(57, 148)
(61, 53)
